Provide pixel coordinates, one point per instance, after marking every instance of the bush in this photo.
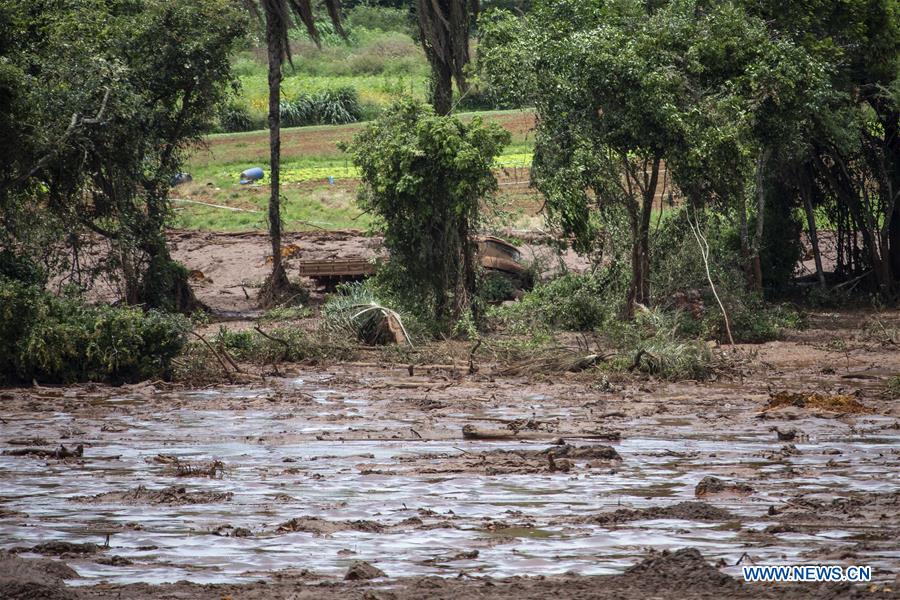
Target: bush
(381, 18)
(355, 312)
(654, 343)
(677, 272)
(325, 107)
(63, 340)
(233, 117)
(496, 287)
(571, 302)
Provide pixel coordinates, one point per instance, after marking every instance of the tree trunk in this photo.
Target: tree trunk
(806, 193)
(757, 279)
(649, 194)
(277, 283)
(442, 81)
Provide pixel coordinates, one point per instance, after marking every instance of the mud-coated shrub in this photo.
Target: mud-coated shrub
(64, 340)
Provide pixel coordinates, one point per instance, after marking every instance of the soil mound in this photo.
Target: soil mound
(713, 486)
(682, 569)
(688, 511)
(175, 495)
(840, 403)
(24, 579)
(325, 527)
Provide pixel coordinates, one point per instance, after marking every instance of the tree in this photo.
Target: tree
(279, 16)
(114, 94)
(425, 176)
(444, 32)
(851, 167)
(630, 95)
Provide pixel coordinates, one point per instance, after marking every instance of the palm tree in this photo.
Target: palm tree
(280, 16)
(444, 30)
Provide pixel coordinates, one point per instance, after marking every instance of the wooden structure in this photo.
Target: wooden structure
(493, 253)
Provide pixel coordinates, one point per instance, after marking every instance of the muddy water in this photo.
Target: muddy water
(336, 455)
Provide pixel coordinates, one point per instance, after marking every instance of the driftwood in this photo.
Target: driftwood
(470, 432)
(59, 453)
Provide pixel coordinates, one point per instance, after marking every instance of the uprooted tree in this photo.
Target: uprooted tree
(425, 177)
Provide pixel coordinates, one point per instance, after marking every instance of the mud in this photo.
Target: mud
(232, 266)
(173, 495)
(684, 511)
(295, 478)
(22, 579)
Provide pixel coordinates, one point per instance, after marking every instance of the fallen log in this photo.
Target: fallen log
(470, 432)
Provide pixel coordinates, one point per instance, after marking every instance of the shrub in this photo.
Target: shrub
(496, 287)
(64, 340)
(298, 112)
(654, 343)
(571, 302)
(355, 311)
(233, 117)
(677, 270)
(381, 18)
(325, 107)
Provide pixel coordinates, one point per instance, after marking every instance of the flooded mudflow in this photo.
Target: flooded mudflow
(316, 478)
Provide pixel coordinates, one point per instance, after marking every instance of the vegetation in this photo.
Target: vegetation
(425, 177)
(61, 340)
(355, 310)
(99, 156)
(714, 103)
(691, 150)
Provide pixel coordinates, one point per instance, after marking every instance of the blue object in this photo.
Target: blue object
(180, 178)
(331, 180)
(251, 175)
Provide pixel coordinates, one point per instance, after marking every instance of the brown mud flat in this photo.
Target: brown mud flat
(295, 479)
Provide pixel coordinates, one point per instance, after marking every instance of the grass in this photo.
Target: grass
(309, 156)
(381, 61)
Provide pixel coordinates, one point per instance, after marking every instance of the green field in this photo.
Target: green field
(381, 61)
(309, 156)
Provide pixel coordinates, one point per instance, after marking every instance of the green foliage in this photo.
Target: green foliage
(424, 178)
(63, 340)
(380, 18)
(496, 287)
(282, 344)
(143, 80)
(286, 313)
(677, 271)
(354, 311)
(654, 344)
(325, 107)
(570, 302)
(235, 117)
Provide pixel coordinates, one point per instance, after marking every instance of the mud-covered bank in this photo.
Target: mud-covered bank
(680, 574)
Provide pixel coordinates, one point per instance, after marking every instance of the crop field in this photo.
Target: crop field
(310, 155)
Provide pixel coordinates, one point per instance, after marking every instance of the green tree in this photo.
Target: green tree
(113, 94)
(425, 176)
(636, 99)
(851, 166)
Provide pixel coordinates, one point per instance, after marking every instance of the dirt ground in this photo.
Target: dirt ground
(364, 480)
(229, 267)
